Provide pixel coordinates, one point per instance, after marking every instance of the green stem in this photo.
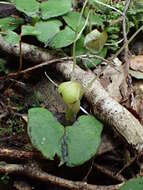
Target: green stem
(77, 36)
(108, 6)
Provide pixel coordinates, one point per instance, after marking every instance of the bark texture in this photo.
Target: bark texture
(29, 52)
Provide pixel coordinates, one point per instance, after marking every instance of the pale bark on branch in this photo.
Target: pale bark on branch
(104, 107)
(29, 52)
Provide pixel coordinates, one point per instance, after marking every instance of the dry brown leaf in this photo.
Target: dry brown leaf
(136, 63)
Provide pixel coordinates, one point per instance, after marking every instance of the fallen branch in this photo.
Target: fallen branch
(34, 172)
(104, 107)
(29, 52)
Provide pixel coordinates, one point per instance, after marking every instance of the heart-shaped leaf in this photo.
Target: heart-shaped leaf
(47, 29)
(74, 145)
(72, 19)
(63, 38)
(45, 132)
(29, 7)
(54, 8)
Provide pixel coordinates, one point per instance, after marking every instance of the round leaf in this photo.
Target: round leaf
(82, 140)
(72, 20)
(63, 38)
(133, 184)
(45, 132)
(54, 8)
(47, 29)
(29, 7)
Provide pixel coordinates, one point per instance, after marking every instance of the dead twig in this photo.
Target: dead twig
(14, 154)
(125, 38)
(109, 173)
(47, 63)
(129, 41)
(36, 173)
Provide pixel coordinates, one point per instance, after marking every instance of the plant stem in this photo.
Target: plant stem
(77, 36)
(20, 52)
(109, 6)
(132, 37)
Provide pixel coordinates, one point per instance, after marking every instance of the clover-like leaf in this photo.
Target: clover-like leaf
(54, 8)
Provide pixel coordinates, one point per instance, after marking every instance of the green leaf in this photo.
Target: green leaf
(54, 8)
(47, 29)
(93, 62)
(95, 40)
(63, 38)
(29, 30)
(72, 20)
(96, 20)
(29, 7)
(82, 140)
(74, 145)
(80, 49)
(133, 184)
(45, 132)
(10, 23)
(11, 37)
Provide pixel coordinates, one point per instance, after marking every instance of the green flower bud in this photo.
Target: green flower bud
(70, 91)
